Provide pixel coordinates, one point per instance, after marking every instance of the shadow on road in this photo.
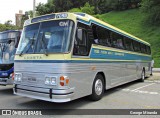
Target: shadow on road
(6, 90)
(50, 105)
(115, 89)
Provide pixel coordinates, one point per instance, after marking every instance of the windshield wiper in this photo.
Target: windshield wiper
(44, 44)
(3, 49)
(30, 42)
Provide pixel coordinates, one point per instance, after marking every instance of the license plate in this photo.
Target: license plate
(32, 79)
(3, 79)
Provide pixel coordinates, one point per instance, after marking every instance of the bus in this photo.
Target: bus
(65, 56)
(8, 44)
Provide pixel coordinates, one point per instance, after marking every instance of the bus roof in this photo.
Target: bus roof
(7, 31)
(7, 35)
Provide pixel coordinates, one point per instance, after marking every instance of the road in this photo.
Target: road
(134, 95)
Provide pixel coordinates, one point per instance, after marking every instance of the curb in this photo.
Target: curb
(156, 69)
(153, 81)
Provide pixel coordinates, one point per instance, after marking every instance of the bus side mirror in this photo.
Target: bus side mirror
(79, 34)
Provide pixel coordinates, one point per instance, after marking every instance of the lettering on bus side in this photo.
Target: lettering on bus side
(105, 52)
(32, 57)
(119, 54)
(97, 51)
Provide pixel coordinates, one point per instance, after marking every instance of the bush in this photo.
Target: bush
(152, 7)
(75, 10)
(88, 9)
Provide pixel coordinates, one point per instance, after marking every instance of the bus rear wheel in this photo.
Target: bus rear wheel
(97, 88)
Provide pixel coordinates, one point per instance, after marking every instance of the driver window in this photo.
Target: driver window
(80, 43)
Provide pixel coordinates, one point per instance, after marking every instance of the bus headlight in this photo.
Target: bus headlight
(50, 80)
(11, 76)
(47, 80)
(18, 77)
(53, 80)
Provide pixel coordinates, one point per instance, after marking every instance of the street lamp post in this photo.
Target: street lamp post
(34, 8)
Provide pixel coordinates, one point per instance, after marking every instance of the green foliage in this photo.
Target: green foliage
(152, 7)
(75, 10)
(100, 6)
(118, 5)
(47, 8)
(8, 26)
(132, 21)
(88, 9)
(63, 5)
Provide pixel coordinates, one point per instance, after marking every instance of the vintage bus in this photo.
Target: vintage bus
(65, 56)
(8, 44)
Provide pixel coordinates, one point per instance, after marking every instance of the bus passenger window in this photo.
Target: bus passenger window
(128, 44)
(101, 36)
(143, 48)
(148, 50)
(113, 39)
(120, 43)
(136, 46)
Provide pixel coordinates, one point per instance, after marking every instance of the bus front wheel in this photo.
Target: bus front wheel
(97, 88)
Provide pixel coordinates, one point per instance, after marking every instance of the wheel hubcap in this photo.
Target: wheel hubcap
(98, 87)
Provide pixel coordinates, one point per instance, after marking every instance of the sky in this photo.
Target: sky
(8, 8)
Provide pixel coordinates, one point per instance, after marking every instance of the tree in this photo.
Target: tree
(8, 26)
(87, 8)
(75, 10)
(8, 23)
(96, 4)
(47, 8)
(59, 6)
(152, 7)
(63, 5)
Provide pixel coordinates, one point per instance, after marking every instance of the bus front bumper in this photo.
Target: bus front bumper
(6, 81)
(51, 95)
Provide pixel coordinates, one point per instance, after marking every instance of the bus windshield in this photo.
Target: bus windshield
(46, 37)
(8, 46)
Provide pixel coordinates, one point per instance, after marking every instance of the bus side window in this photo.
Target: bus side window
(143, 48)
(128, 44)
(80, 43)
(113, 39)
(136, 46)
(148, 50)
(101, 36)
(117, 40)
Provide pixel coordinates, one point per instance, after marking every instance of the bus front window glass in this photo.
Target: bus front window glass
(7, 46)
(28, 39)
(47, 37)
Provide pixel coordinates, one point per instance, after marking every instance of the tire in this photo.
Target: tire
(97, 88)
(143, 75)
(151, 71)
